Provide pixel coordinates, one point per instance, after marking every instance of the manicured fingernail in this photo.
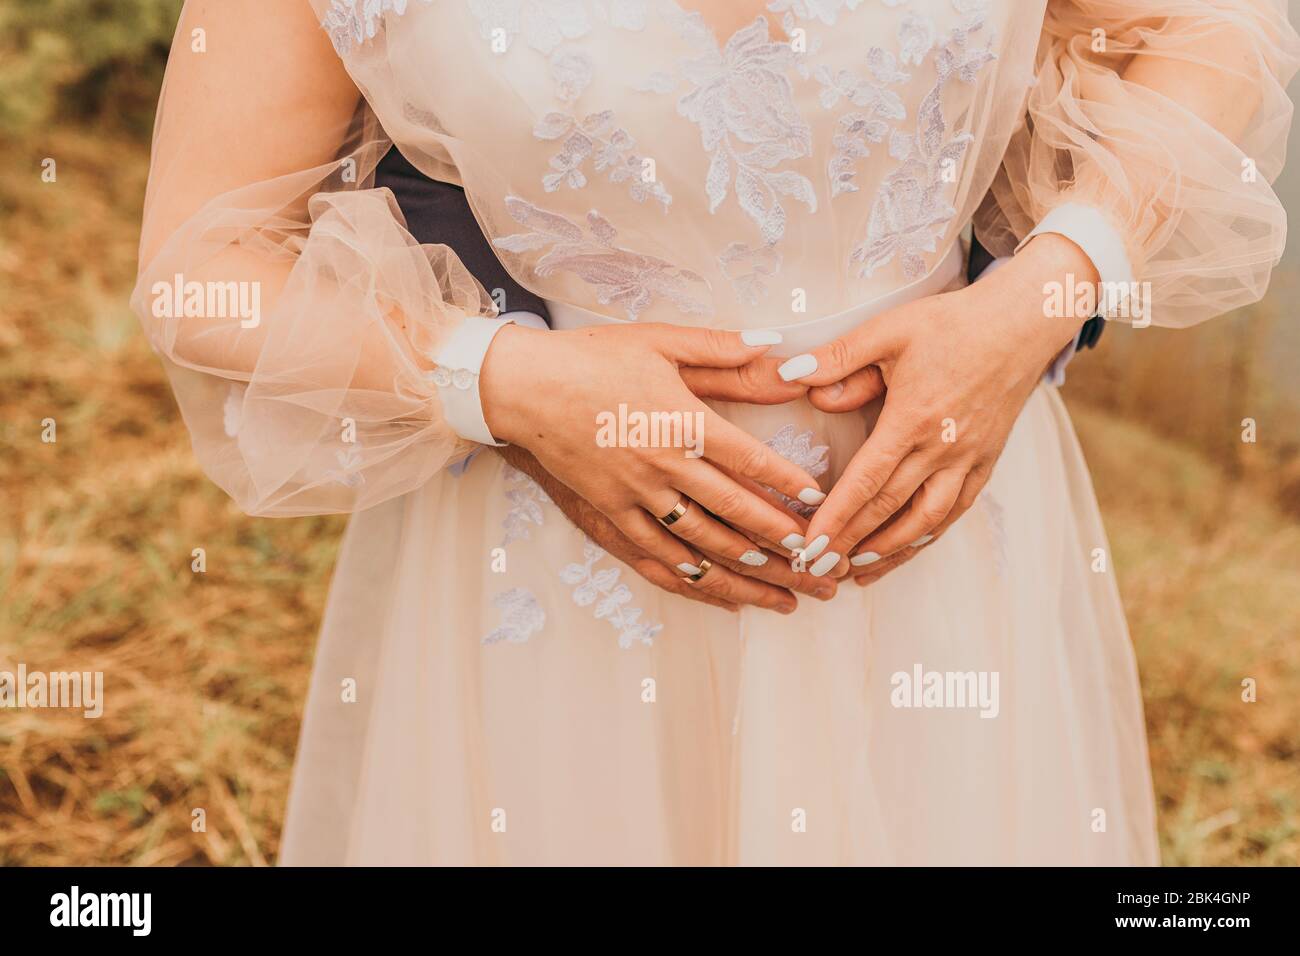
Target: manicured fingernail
(812, 496)
(798, 367)
(824, 564)
(816, 546)
(760, 337)
(688, 568)
(924, 539)
(866, 557)
(792, 542)
(755, 559)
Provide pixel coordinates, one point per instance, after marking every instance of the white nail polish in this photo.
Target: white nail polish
(816, 546)
(866, 557)
(688, 568)
(792, 542)
(924, 539)
(755, 559)
(798, 367)
(824, 564)
(812, 496)
(761, 337)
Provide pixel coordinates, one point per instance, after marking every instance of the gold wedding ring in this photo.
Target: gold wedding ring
(679, 511)
(705, 564)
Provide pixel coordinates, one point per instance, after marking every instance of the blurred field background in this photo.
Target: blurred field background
(206, 673)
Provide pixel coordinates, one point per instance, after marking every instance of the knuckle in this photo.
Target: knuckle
(931, 515)
(840, 355)
(864, 485)
(750, 377)
(885, 503)
(638, 534)
(717, 340)
(752, 459)
(729, 501)
(688, 530)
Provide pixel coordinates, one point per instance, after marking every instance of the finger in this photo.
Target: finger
(920, 520)
(706, 533)
(666, 580)
(893, 497)
(868, 344)
(778, 572)
(652, 538)
(777, 500)
(711, 348)
(755, 382)
(739, 507)
(871, 466)
(975, 481)
(854, 391)
(738, 451)
(723, 583)
(874, 572)
(718, 582)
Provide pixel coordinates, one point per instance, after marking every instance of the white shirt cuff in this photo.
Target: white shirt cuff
(1092, 232)
(456, 369)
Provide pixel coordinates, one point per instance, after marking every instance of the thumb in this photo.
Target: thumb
(868, 344)
(714, 348)
(864, 385)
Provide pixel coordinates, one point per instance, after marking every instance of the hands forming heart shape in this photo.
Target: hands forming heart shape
(954, 371)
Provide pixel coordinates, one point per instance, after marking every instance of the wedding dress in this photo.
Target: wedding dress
(492, 688)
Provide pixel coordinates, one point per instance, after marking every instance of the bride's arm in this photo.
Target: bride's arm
(1153, 131)
(293, 312)
(1151, 156)
(320, 354)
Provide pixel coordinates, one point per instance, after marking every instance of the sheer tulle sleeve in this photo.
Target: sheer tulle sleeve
(294, 312)
(1170, 119)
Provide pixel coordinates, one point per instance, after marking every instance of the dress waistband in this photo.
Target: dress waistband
(802, 336)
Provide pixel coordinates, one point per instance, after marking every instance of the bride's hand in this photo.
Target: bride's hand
(544, 391)
(955, 369)
(758, 592)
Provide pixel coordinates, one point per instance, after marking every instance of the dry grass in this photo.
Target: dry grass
(206, 672)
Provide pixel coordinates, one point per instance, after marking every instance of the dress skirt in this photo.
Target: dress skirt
(491, 688)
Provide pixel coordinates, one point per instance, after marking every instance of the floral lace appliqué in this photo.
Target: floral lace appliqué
(743, 103)
(747, 266)
(631, 280)
(911, 209)
(867, 124)
(351, 23)
(526, 498)
(797, 448)
(521, 617)
(601, 587)
(594, 137)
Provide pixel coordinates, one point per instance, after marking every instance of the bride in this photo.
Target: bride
(548, 645)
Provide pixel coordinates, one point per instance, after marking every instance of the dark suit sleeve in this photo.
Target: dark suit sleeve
(439, 212)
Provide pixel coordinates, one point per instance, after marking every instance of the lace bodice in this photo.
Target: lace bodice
(631, 161)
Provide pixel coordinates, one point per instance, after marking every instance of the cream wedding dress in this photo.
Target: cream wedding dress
(490, 687)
